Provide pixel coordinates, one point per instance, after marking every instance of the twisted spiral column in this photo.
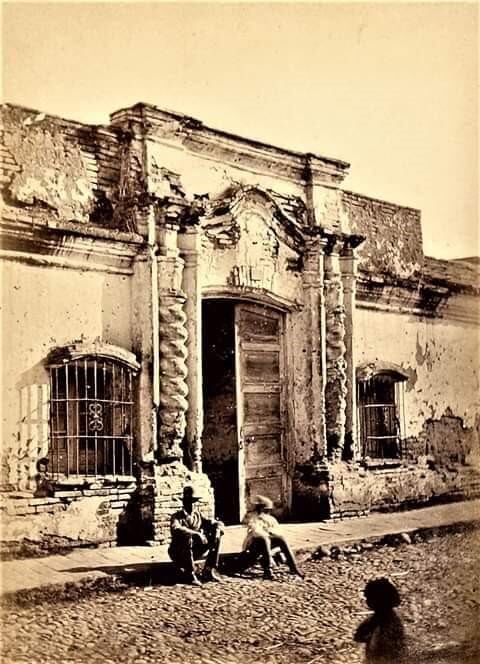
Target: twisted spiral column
(173, 375)
(336, 387)
(313, 275)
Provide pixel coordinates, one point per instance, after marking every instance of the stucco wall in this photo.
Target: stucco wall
(441, 359)
(44, 308)
(58, 168)
(79, 517)
(205, 175)
(393, 235)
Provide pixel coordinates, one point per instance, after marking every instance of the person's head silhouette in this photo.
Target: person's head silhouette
(381, 595)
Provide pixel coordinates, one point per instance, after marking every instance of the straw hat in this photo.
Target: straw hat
(263, 501)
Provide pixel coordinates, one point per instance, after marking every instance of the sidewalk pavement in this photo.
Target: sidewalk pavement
(85, 565)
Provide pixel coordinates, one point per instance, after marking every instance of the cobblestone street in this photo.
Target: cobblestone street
(249, 620)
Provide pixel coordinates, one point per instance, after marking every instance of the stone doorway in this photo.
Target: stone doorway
(219, 440)
(243, 392)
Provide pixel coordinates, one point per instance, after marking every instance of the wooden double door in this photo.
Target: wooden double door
(259, 370)
(244, 414)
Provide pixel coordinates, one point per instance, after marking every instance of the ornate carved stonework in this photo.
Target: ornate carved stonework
(222, 230)
(313, 273)
(283, 216)
(173, 375)
(336, 388)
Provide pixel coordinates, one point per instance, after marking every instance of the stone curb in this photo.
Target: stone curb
(89, 584)
(395, 538)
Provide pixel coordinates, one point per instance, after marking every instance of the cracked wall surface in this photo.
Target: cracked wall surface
(246, 204)
(393, 235)
(58, 168)
(441, 360)
(68, 305)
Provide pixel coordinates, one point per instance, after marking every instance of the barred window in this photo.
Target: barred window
(380, 406)
(91, 410)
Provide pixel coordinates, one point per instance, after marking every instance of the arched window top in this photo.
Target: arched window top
(370, 370)
(98, 349)
(91, 410)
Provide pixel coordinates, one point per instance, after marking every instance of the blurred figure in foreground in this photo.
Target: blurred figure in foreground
(382, 632)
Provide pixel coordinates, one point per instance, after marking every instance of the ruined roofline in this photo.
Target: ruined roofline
(453, 272)
(381, 201)
(60, 119)
(175, 115)
(471, 260)
(193, 123)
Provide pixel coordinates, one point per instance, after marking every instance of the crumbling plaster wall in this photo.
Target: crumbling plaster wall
(76, 517)
(44, 308)
(203, 174)
(393, 235)
(258, 262)
(441, 358)
(55, 168)
(251, 260)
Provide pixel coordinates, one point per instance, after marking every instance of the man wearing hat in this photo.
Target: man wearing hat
(263, 538)
(193, 536)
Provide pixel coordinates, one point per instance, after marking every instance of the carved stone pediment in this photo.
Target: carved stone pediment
(263, 231)
(283, 217)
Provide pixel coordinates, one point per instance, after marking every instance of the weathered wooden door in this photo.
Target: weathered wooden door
(260, 420)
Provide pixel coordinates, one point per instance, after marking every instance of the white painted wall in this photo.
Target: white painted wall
(45, 307)
(441, 356)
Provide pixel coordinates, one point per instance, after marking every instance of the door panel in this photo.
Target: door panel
(259, 325)
(261, 366)
(272, 487)
(258, 406)
(259, 337)
(260, 450)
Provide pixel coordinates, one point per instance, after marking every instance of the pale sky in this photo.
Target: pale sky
(390, 88)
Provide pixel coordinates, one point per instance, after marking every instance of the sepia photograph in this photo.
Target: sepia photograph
(240, 342)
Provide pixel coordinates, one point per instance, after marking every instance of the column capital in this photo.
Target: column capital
(190, 244)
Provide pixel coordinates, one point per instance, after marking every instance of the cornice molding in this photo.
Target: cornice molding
(418, 299)
(151, 123)
(68, 246)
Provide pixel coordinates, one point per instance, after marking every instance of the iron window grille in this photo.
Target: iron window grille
(91, 418)
(380, 402)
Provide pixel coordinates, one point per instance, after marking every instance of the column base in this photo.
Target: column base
(162, 496)
(328, 489)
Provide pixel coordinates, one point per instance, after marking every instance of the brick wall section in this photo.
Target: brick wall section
(168, 485)
(393, 235)
(72, 518)
(57, 168)
(353, 490)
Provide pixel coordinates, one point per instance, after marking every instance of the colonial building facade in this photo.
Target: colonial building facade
(185, 305)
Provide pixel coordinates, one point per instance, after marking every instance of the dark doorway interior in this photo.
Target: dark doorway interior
(220, 448)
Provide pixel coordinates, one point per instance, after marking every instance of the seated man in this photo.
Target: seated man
(193, 536)
(263, 538)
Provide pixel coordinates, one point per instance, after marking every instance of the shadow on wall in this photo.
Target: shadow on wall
(32, 426)
(135, 524)
(311, 494)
